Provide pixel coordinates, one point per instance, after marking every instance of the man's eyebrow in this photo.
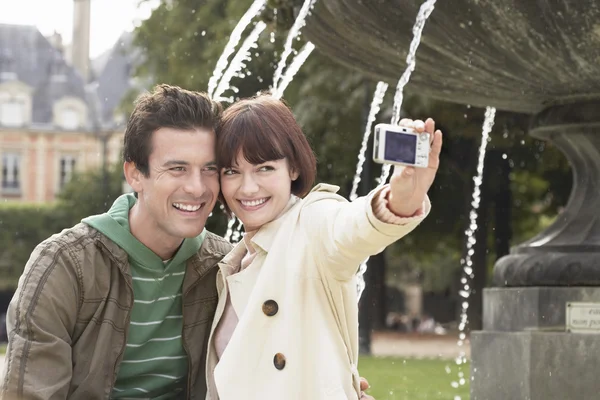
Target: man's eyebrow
(171, 163)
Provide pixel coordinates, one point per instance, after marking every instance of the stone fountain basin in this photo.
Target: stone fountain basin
(520, 56)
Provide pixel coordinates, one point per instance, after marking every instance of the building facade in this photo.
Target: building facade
(57, 116)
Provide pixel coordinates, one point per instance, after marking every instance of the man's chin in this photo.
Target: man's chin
(190, 233)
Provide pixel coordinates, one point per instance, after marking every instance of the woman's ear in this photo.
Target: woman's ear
(294, 175)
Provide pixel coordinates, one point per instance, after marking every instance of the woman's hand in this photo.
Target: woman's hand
(409, 185)
(364, 385)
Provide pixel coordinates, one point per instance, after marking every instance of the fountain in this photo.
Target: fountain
(221, 82)
(234, 39)
(539, 58)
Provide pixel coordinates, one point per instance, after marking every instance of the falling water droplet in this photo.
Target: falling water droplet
(234, 39)
(294, 31)
(467, 263)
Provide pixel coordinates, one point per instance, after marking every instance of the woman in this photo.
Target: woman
(286, 326)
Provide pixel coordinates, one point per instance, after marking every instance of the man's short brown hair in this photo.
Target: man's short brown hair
(166, 107)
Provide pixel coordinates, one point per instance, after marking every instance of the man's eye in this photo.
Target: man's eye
(178, 169)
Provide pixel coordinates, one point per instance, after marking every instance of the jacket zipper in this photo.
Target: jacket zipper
(128, 321)
(120, 356)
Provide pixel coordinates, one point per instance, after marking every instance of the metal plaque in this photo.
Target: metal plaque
(583, 317)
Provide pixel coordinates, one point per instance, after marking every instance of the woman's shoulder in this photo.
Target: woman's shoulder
(321, 201)
(323, 191)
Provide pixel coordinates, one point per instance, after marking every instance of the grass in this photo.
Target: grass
(412, 379)
(407, 379)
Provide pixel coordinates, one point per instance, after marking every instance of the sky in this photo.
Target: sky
(109, 18)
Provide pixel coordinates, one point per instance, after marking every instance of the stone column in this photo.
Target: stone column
(524, 350)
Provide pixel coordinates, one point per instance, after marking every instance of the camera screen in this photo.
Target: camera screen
(400, 147)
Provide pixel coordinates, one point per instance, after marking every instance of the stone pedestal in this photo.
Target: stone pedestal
(524, 352)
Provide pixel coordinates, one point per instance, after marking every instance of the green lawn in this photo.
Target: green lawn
(412, 379)
(408, 379)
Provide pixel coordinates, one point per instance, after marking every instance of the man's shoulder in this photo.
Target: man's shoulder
(73, 236)
(62, 254)
(73, 245)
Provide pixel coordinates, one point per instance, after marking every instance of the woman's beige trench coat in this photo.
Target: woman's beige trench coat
(297, 337)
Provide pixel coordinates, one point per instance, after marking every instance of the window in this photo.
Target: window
(11, 173)
(12, 113)
(70, 119)
(67, 167)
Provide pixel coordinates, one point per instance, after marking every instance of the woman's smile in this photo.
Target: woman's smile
(253, 205)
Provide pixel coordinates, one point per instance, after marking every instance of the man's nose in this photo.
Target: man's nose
(195, 184)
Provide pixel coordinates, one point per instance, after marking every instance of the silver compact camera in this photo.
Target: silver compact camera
(394, 144)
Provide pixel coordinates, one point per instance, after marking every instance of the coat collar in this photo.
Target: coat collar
(266, 234)
(265, 237)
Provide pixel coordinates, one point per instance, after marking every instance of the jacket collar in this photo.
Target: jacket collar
(265, 236)
(212, 250)
(116, 252)
(232, 261)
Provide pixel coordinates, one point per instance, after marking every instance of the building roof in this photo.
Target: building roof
(114, 72)
(28, 56)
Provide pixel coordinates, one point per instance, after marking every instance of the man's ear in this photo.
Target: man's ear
(133, 176)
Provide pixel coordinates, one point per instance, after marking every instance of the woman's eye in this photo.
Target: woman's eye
(228, 172)
(265, 168)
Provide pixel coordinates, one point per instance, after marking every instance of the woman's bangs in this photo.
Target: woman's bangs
(253, 137)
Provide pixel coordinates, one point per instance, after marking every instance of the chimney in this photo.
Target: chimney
(80, 48)
(56, 41)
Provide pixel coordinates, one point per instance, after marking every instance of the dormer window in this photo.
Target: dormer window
(70, 119)
(70, 113)
(12, 112)
(15, 104)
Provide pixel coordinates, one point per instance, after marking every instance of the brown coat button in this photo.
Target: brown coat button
(270, 307)
(279, 361)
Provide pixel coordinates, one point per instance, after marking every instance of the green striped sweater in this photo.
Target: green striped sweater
(154, 364)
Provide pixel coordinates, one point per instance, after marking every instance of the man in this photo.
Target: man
(121, 305)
